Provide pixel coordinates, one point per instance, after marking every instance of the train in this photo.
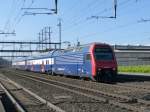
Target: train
(94, 61)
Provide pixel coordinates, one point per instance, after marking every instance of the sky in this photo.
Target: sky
(77, 22)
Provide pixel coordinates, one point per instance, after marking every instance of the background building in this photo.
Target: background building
(132, 55)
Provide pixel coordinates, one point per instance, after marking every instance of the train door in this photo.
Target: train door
(87, 65)
(42, 67)
(25, 67)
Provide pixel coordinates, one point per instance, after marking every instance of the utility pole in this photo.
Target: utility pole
(39, 41)
(115, 8)
(59, 25)
(56, 5)
(30, 47)
(45, 40)
(42, 38)
(13, 53)
(49, 33)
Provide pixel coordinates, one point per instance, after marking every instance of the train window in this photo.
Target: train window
(102, 50)
(47, 62)
(88, 57)
(103, 54)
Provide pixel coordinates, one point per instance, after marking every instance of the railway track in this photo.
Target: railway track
(15, 106)
(123, 86)
(83, 102)
(140, 90)
(133, 104)
(24, 100)
(142, 86)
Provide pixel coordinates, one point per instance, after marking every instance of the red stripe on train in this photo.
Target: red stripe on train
(93, 60)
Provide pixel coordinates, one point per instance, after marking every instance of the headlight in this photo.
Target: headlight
(99, 69)
(114, 69)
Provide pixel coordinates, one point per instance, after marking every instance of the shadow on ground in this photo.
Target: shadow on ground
(122, 78)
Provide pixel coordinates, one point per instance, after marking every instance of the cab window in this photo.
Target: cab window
(88, 57)
(103, 54)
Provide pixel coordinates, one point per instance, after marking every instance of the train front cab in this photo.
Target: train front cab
(104, 65)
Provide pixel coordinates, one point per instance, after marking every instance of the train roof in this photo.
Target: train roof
(44, 55)
(84, 47)
(94, 43)
(80, 48)
(20, 59)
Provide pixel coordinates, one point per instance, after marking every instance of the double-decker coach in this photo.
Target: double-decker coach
(95, 60)
(37, 63)
(40, 63)
(19, 63)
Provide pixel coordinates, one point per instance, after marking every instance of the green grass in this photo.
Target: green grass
(135, 69)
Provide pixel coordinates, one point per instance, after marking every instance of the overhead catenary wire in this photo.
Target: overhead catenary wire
(143, 20)
(15, 4)
(112, 29)
(50, 11)
(15, 14)
(116, 4)
(9, 16)
(78, 20)
(20, 18)
(134, 22)
(85, 20)
(82, 21)
(90, 6)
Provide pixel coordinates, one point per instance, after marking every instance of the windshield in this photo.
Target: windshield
(103, 54)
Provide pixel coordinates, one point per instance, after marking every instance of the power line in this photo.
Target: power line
(7, 33)
(111, 17)
(78, 20)
(10, 14)
(111, 29)
(118, 27)
(53, 11)
(19, 17)
(34, 8)
(75, 24)
(60, 31)
(144, 20)
(84, 11)
(12, 10)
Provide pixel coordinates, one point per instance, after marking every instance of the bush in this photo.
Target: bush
(137, 69)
